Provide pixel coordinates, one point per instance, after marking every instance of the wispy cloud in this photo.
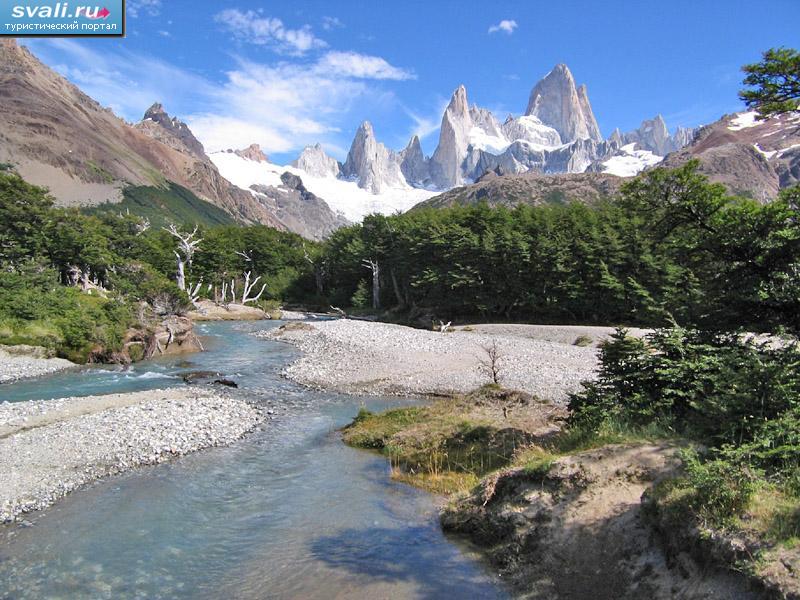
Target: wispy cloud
(281, 106)
(135, 8)
(425, 125)
(362, 66)
(329, 23)
(506, 26)
(253, 27)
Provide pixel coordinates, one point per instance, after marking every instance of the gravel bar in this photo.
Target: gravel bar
(361, 357)
(49, 448)
(19, 366)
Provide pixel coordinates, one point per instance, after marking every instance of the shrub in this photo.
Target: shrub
(721, 490)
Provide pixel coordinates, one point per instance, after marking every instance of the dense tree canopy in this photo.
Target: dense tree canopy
(672, 248)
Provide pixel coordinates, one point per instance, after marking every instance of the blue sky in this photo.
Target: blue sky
(287, 74)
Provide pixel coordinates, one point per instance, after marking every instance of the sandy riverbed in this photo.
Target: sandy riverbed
(49, 448)
(367, 357)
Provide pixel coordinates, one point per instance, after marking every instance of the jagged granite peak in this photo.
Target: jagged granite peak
(413, 164)
(176, 134)
(314, 161)
(454, 136)
(558, 103)
(653, 135)
(369, 161)
(684, 136)
(252, 152)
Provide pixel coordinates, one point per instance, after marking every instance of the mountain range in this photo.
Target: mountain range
(56, 136)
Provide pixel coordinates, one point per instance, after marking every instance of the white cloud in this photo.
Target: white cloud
(329, 23)
(363, 66)
(254, 28)
(135, 8)
(506, 26)
(282, 106)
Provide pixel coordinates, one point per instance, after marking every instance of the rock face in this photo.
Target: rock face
(556, 101)
(301, 210)
(171, 131)
(453, 141)
(751, 157)
(316, 163)
(252, 152)
(414, 165)
(375, 167)
(654, 136)
(175, 335)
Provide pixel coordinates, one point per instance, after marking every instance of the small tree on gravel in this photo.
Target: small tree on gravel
(489, 363)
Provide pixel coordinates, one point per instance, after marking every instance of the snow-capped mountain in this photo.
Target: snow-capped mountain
(342, 195)
(558, 133)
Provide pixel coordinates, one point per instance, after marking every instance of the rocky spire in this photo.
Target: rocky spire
(252, 152)
(413, 164)
(453, 141)
(654, 136)
(170, 131)
(316, 163)
(375, 167)
(558, 103)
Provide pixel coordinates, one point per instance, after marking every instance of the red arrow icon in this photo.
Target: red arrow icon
(103, 14)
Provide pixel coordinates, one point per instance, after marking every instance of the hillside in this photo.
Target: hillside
(529, 188)
(58, 137)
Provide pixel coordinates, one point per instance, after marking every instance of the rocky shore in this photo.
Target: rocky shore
(49, 448)
(23, 362)
(379, 358)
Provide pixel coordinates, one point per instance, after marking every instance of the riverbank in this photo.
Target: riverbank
(49, 448)
(24, 362)
(360, 357)
(558, 516)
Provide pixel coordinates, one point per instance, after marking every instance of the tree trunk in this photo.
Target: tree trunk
(398, 294)
(181, 276)
(376, 286)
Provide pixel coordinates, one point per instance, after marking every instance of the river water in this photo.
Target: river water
(287, 512)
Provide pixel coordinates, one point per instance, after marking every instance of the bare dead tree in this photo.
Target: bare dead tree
(373, 265)
(339, 311)
(248, 287)
(444, 327)
(194, 291)
(248, 256)
(489, 363)
(187, 246)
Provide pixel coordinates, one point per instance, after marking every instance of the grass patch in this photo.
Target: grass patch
(170, 204)
(583, 341)
(445, 447)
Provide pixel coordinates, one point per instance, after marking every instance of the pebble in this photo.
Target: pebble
(362, 357)
(40, 465)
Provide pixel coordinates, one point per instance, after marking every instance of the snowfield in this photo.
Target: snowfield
(343, 196)
(631, 162)
(743, 121)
